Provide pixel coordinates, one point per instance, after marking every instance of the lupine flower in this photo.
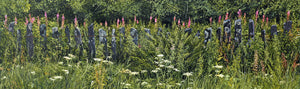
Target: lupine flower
(5, 21)
(32, 20)
(46, 18)
(105, 23)
(239, 13)
(183, 24)
(137, 21)
(118, 21)
(220, 17)
(256, 15)
(174, 18)
(62, 21)
(84, 24)
(155, 20)
(288, 15)
(134, 18)
(57, 16)
(210, 20)
(123, 21)
(16, 20)
(226, 16)
(189, 23)
(178, 22)
(75, 21)
(150, 18)
(38, 21)
(101, 24)
(26, 21)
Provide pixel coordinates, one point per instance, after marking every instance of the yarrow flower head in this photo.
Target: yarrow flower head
(160, 55)
(67, 58)
(218, 66)
(97, 59)
(220, 75)
(134, 73)
(188, 74)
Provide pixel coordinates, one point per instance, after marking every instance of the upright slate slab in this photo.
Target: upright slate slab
(78, 40)
(207, 33)
(227, 29)
(29, 40)
(198, 34)
(287, 26)
(55, 33)
(147, 30)
(238, 31)
(44, 35)
(188, 30)
(251, 33)
(273, 31)
(219, 34)
(11, 27)
(67, 32)
(263, 37)
(122, 35)
(113, 44)
(103, 40)
(134, 35)
(78, 37)
(91, 36)
(19, 39)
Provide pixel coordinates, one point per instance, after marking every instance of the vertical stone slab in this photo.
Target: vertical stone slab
(287, 26)
(219, 34)
(207, 33)
(238, 31)
(11, 27)
(29, 40)
(159, 31)
(227, 29)
(273, 31)
(147, 32)
(188, 30)
(122, 35)
(19, 39)
(55, 33)
(44, 35)
(134, 35)
(103, 40)
(67, 32)
(198, 34)
(113, 44)
(91, 36)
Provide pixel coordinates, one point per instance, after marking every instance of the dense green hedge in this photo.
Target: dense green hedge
(110, 10)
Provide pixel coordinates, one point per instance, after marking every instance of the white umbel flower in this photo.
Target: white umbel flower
(160, 55)
(218, 66)
(188, 74)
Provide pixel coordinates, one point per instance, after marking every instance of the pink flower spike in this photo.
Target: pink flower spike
(183, 24)
(288, 15)
(5, 17)
(189, 23)
(32, 20)
(123, 22)
(256, 15)
(75, 21)
(134, 18)
(226, 16)
(155, 20)
(63, 17)
(45, 14)
(57, 16)
(16, 20)
(220, 17)
(150, 18)
(210, 19)
(105, 23)
(179, 22)
(174, 18)
(137, 21)
(26, 21)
